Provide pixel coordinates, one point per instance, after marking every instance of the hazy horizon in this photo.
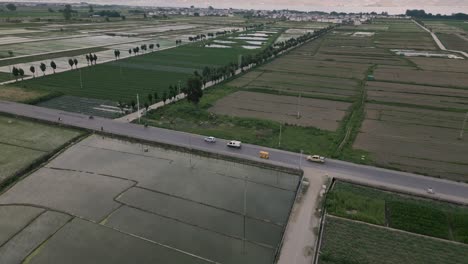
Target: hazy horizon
(391, 6)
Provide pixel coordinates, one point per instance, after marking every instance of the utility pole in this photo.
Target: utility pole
(81, 80)
(138, 108)
(298, 106)
(463, 127)
(279, 139)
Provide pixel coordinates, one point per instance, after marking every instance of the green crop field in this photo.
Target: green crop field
(349, 242)
(416, 215)
(5, 76)
(24, 142)
(453, 42)
(121, 80)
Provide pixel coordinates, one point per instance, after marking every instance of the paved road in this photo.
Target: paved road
(438, 42)
(444, 189)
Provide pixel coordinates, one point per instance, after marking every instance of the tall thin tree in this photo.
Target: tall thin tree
(32, 69)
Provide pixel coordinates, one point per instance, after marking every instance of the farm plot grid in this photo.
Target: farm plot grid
(404, 34)
(169, 207)
(23, 142)
(415, 139)
(439, 64)
(431, 78)
(454, 41)
(283, 109)
(399, 211)
(425, 96)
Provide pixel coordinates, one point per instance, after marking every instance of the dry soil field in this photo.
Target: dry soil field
(416, 140)
(324, 114)
(440, 78)
(420, 95)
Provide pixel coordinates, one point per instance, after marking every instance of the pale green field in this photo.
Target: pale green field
(23, 142)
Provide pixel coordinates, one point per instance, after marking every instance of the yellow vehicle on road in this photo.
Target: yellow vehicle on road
(264, 155)
(316, 158)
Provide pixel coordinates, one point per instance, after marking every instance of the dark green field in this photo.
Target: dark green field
(5, 77)
(153, 72)
(348, 242)
(421, 216)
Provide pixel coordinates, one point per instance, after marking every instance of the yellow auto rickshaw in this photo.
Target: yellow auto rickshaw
(264, 155)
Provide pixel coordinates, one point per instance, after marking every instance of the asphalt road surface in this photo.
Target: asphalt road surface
(408, 182)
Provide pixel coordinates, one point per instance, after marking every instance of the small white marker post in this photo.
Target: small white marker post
(279, 139)
(298, 106)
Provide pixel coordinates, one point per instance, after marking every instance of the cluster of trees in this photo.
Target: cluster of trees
(90, 58)
(178, 42)
(197, 37)
(136, 11)
(143, 47)
(254, 26)
(419, 13)
(117, 54)
(108, 13)
(72, 62)
(18, 72)
(11, 7)
(192, 90)
(68, 12)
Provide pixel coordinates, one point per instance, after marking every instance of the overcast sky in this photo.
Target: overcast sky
(393, 6)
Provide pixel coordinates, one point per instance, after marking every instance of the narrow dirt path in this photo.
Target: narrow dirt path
(300, 235)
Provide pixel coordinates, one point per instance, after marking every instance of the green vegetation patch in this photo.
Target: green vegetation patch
(6, 77)
(349, 242)
(418, 218)
(416, 215)
(153, 72)
(454, 42)
(24, 142)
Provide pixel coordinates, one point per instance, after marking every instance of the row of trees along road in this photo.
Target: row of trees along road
(193, 92)
(194, 86)
(136, 50)
(19, 72)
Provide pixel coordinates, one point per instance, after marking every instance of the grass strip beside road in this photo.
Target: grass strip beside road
(185, 116)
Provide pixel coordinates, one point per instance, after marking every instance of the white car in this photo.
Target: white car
(210, 139)
(234, 144)
(316, 158)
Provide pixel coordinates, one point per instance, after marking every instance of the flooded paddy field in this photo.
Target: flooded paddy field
(161, 205)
